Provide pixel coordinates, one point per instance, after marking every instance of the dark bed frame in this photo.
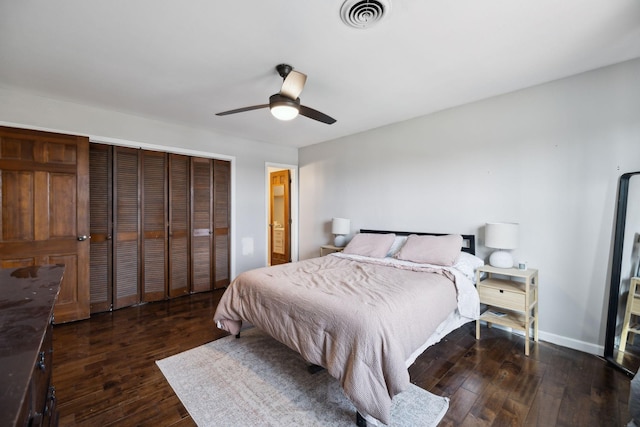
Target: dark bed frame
(468, 240)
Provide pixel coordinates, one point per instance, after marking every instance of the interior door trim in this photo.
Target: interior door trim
(293, 189)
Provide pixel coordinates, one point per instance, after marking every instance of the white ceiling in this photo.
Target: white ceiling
(183, 61)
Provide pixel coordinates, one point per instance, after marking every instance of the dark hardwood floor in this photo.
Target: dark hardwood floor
(492, 383)
(630, 358)
(105, 372)
(104, 368)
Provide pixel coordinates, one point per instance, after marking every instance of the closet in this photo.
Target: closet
(129, 225)
(159, 225)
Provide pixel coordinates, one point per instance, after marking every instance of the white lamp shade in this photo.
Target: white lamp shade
(340, 226)
(501, 235)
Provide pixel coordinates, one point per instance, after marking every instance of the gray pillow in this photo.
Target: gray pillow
(437, 250)
(369, 244)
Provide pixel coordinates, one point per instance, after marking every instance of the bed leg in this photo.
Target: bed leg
(314, 369)
(360, 420)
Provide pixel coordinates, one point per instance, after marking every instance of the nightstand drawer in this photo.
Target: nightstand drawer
(328, 249)
(504, 298)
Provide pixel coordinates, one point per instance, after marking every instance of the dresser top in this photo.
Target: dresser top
(27, 296)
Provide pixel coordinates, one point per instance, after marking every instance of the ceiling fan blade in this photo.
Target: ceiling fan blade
(293, 84)
(316, 115)
(242, 110)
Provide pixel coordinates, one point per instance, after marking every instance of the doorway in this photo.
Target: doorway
(281, 214)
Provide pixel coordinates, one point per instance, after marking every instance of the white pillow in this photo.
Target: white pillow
(467, 264)
(397, 244)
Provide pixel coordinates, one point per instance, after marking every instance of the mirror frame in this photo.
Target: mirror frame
(616, 270)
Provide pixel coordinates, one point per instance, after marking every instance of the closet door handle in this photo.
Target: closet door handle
(82, 238)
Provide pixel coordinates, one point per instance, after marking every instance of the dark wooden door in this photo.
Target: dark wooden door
(154, 225)
(126, 227)
(44, 205)
(221, 221)
(179, 225)
(101, 220)
(201, 224)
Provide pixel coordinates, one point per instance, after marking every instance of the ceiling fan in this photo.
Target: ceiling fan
(285, 105)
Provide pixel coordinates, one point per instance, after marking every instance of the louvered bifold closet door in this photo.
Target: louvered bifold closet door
(201, 224)
(179, 209)
(154, 225)
(126, 269)
(221, 221)
(100, 199)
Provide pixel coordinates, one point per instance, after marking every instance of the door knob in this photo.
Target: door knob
(82, 238)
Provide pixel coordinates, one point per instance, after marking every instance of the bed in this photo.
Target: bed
(364, 314)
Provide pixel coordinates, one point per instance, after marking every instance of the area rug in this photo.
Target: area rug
(256, 381)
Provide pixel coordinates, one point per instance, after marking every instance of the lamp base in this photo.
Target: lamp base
(501, 259)
(339, 241)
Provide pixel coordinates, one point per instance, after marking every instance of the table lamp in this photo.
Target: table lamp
(502, 236)
(339, 228)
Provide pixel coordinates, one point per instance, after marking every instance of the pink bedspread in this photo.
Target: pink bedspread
(359, 320)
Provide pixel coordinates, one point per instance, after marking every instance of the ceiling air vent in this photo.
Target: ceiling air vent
(363, 14)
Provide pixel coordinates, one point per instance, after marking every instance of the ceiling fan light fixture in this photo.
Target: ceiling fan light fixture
(284, 112)
(285, 105)
(283, 108)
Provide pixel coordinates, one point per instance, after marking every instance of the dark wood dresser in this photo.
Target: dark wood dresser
(27, 296)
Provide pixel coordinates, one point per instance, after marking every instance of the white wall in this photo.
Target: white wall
(248, 157)
(548, 157)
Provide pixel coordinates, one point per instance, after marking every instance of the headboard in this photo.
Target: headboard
(468, 240)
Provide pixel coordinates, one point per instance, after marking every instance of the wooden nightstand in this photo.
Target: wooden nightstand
(328, 249)
(513, 295)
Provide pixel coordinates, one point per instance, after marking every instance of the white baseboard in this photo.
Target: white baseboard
(585, 347)
(574, 344)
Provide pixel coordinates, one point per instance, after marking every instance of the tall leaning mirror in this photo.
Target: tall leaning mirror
(622, 341)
